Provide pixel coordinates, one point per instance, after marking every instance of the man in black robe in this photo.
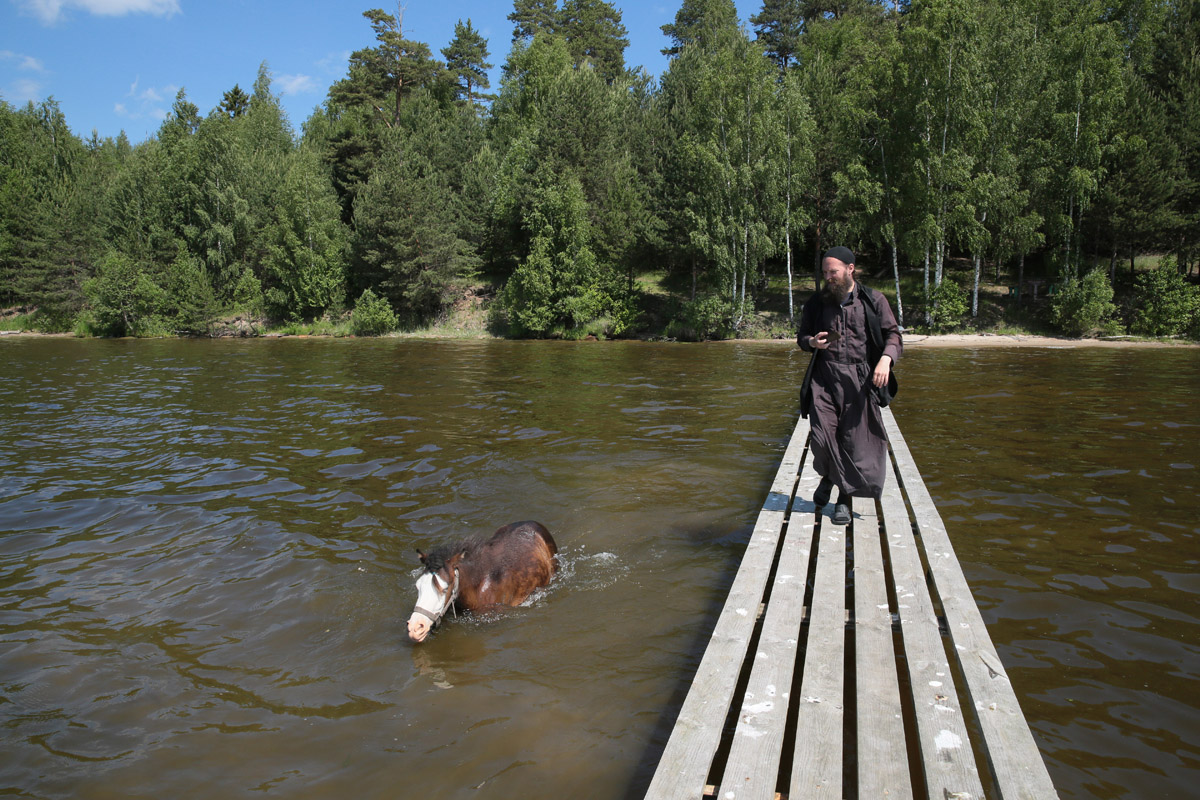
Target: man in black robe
(854, 338)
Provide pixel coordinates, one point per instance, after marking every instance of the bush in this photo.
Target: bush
(706, 317)
(248, 294)
(1084, 307)
(189, 294)
(1166, 304)
(949, 306)
(124, 299)
(372, 316)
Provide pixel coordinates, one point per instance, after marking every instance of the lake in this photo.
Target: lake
(207, 551)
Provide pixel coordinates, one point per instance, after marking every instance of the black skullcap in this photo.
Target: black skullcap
(842, 254)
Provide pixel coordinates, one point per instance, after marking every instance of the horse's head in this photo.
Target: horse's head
(437, 589)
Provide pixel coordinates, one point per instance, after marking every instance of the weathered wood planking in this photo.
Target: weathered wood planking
(882, 755)
(904, 688)
(753, 764)
(817, 764)
(1013, 756)
(686, 761)
(949, 765)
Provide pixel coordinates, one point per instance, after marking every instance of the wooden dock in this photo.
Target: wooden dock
(850, 662)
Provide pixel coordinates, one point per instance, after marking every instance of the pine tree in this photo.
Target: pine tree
(701, 22)
(779, 26)
(466, 61)
(406, 223)
(306, 244)
(382, 77)
(531, 17)
(594, 32)
(234, 102)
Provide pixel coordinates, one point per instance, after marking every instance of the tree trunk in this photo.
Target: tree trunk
(787, 239)
(928, 306)
(1020, 279)
(896, 275)
(975, 291)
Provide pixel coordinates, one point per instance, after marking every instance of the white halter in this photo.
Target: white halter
(434, 616)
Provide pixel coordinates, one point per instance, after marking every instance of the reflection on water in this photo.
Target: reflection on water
(1069, 480)
(207, 550)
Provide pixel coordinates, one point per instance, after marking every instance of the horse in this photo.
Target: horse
(475, 575)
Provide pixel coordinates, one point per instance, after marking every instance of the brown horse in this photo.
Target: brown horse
(475, 576)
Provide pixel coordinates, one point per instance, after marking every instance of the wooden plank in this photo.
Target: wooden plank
(817, 761)
(753, 764)
(683, 769)
(1012, 752)
(882, 754)
(946, 756)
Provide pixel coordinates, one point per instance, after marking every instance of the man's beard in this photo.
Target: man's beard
(836, 293)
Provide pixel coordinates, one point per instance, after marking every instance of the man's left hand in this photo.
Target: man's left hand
(883, 371)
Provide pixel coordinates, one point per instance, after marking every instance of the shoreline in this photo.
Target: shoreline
(963, 340)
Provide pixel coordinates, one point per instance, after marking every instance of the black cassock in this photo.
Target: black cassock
(849, 444)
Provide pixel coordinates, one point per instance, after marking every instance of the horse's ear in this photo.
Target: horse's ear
(422, 555)
(452, 561)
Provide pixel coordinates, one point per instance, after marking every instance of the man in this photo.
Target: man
(854, 338)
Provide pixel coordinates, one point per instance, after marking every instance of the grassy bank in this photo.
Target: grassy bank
(1001, 310)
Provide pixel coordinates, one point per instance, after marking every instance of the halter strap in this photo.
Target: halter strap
(429, 615)
(433, 616)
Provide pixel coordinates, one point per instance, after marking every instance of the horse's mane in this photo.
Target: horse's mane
(436, 558)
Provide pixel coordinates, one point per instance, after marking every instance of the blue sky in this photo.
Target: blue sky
(116, 65)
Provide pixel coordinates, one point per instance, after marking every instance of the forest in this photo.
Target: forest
(959, 146)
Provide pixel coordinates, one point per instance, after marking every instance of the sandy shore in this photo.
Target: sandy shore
(967, 340)
(999, 340)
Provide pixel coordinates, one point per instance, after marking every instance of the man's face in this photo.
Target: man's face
(839, 276)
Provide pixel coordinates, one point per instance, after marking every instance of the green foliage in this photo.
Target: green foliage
(372, 316)
(924, 130)
(595, 35)
(706, 317)
(382, 77)
(407, 221)
(779, 26)
(124, 300)
(1166, 304)
(189, 299)
(531, 17)
(701, 23)
(950, 305)
(1084, 307)
(564, 286)
(466, 62)
(248, 293)
(306, 244)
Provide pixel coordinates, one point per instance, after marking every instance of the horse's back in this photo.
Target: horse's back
(529, 532)
(519, 558)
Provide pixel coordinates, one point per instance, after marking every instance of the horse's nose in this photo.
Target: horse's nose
(418, 630)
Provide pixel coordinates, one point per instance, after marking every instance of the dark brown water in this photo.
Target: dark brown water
(206, 553)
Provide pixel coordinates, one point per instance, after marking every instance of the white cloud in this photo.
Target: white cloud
(50, 11)
(24, 62)
(145, 103)
(335, 63)
(295, 84)
(23, 90)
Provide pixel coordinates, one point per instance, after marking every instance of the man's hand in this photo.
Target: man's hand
(883, 371)
(820, 341)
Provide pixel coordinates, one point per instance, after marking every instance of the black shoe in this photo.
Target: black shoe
(841, 514)
(821, 496)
